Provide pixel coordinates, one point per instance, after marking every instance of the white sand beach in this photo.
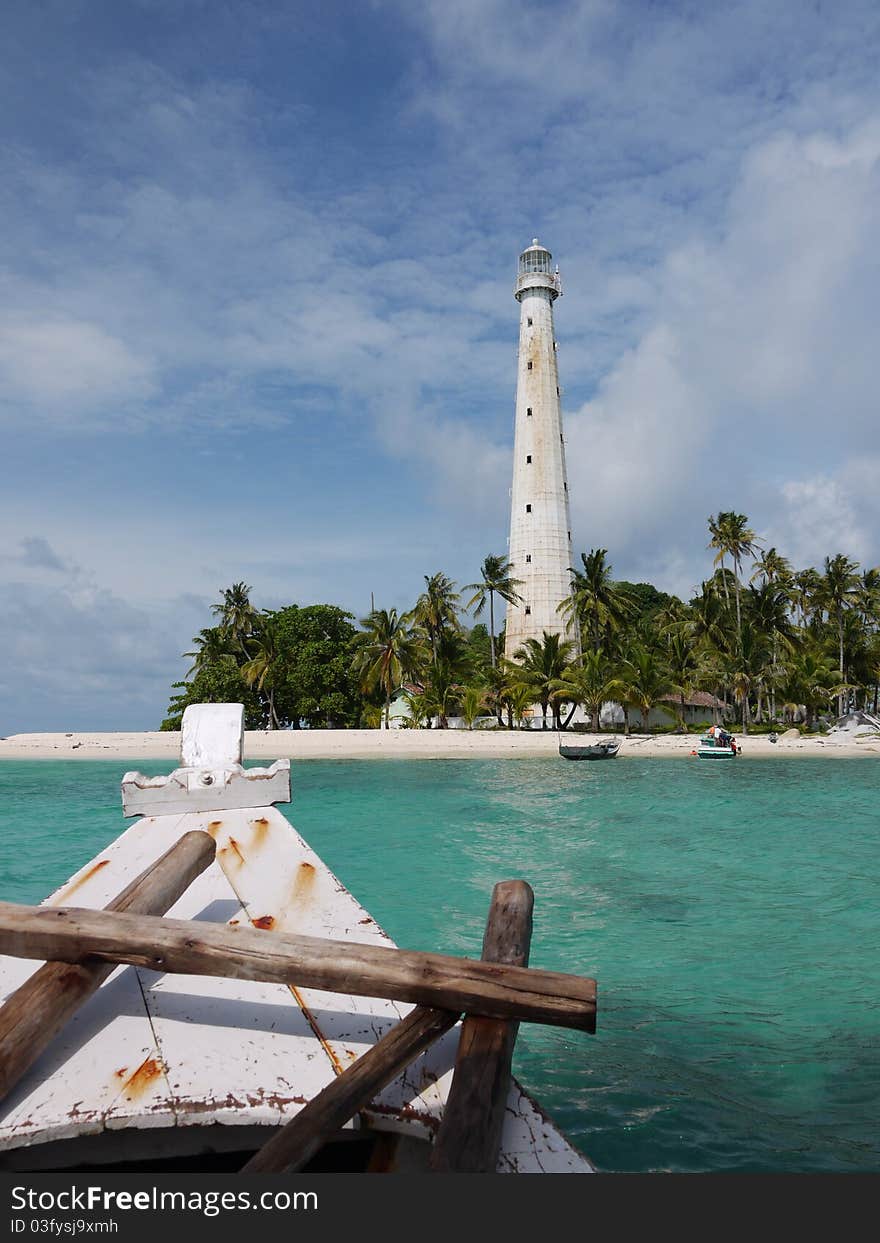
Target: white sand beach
(429, 744)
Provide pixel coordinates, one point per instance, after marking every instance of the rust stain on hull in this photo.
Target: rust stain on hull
(261, 829)
(312, 1022)
(303, 883)
(137, 1084)
(81, 880)
(233, 845)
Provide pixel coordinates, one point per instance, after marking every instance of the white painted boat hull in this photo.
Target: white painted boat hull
(159, 1066)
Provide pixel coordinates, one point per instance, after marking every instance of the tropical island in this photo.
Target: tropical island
(762, 646)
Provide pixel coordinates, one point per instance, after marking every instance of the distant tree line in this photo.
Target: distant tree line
(766, 640)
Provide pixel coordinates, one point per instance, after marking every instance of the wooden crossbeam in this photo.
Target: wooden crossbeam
(469, 1138)
(295, 1144)
(192, 947)
(32, 1016)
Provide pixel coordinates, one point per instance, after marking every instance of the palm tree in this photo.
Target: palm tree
(868, 602)
(806, 589)
(768, 607)
(773, 568)
(390, 653)
(473, 701)
(706, 617)
(811, 680)
(435, 608)
(265, 665)
(519, 702)
(599, 606)
(732, 537)
(504, 691)
(684, 667)
(210, 646)
(237, 616)
(446, 673)
(716, 531)
(420, 707)
(496, 581)
(646, 683)
(748, 668)
(591, 683)
(542, 663)
(840, 592)
(859, 651)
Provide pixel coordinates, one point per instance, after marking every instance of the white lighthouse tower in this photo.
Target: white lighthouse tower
(540, 527)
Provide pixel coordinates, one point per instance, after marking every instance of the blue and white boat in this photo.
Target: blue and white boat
(717, 745)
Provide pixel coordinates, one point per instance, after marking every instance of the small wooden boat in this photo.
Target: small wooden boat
(606, 750)
(266, 1005)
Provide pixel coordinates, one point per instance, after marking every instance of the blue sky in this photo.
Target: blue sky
(257, 318)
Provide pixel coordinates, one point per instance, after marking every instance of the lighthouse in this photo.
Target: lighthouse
(540, 526)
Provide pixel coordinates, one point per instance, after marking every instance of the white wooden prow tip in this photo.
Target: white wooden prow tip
(211, 776)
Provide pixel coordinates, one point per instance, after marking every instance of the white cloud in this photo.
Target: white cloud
(823, 515)
(38, 552)
(325, 313)
(67, 363)
(77, 655)
(754, 364)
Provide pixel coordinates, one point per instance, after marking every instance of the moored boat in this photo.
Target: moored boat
(606, 750)
(165, 1069)
(717, 744)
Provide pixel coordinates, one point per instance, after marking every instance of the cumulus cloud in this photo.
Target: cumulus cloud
(38, 552)
(78, 656)
(753, 365)
(64, 363)
(298, 298)
(826, 514)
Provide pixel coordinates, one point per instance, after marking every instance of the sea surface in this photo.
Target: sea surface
(729, 912)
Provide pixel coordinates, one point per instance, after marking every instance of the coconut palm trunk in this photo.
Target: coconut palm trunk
(739, 620)
(492, 624)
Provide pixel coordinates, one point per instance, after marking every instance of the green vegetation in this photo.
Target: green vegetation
(288, 666)
(777, 646)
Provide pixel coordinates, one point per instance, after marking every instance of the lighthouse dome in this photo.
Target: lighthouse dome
(535, 258)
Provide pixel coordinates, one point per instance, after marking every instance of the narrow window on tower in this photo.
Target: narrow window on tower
(569, 536)
(528, 411)
(528, 458)
(557, 390)
(528, 609)
(528, 557)
(528, 509)
(529, 321)
(565, 485)
(530, 367)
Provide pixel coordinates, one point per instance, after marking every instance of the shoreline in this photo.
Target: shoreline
(362, 744)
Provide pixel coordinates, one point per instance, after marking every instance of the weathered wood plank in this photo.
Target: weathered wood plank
(289, 1149)
(198, 789)
(31, 1017)
(212, 735)
(210, 776)
(496, 991)
(469, 1138)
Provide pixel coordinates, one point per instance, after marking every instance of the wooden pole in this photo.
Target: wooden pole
(290, 1148)
(469, 1138)
(33, 1015)
(191, 947)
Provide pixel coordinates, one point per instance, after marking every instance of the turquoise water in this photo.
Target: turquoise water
(729, 913)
